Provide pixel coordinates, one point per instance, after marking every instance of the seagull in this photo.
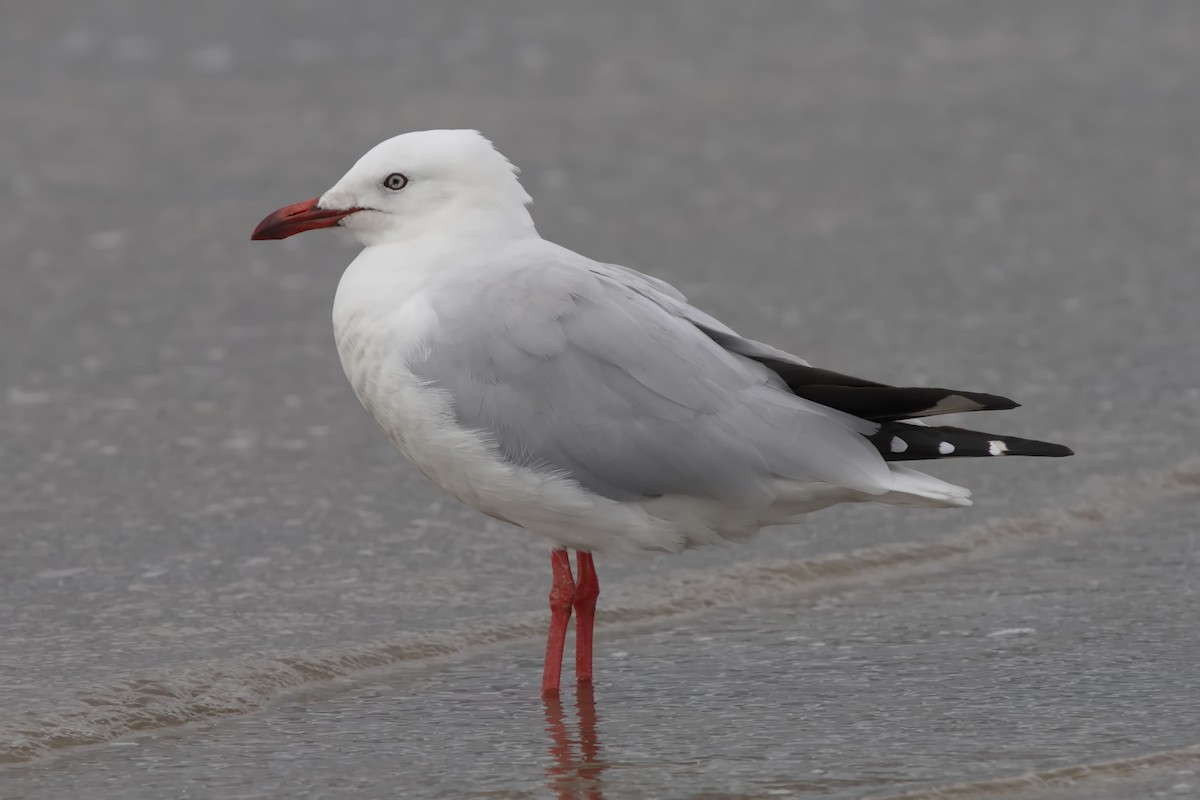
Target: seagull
(588, 403)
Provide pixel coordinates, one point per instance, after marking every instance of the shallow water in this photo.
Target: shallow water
(1032, 659)
(215, 571)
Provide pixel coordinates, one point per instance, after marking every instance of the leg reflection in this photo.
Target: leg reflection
(559, 774)
(590, 765)
(574, 775)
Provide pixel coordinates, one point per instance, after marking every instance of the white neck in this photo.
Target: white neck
(481, 220)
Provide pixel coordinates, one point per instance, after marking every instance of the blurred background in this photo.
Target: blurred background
(197, 516)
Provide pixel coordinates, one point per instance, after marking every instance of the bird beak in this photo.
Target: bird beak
(297, 218)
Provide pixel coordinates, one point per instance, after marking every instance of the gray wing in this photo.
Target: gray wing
(601, 377)
(672, 300)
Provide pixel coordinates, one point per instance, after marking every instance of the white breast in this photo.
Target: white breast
(382, 316)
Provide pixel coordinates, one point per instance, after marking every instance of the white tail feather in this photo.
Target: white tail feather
(912, 488)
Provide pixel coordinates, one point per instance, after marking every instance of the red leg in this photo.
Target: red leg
(562, 592)
(585, 614)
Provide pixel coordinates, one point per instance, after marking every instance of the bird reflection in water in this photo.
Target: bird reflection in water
(575, 773)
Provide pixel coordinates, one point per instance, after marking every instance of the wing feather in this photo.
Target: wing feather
(605, 378)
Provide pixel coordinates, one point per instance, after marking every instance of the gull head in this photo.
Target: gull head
(448, 182)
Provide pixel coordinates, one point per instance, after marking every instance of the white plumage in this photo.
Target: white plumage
(454, 267)
(588, 403)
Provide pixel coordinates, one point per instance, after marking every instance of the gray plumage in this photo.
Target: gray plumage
(601, 374)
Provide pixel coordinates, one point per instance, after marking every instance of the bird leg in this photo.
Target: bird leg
(562, 593)
(586, 592)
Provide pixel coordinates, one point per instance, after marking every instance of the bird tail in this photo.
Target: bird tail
(901, 441)
(912, 488)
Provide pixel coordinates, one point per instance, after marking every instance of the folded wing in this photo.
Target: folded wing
(572, 370)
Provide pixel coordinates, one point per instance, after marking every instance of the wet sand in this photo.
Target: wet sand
(946, 677)
(217, 579)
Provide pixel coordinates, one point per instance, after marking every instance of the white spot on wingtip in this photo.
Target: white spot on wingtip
(898, 445)
(997, 448)
(945, 448)
(952, 403)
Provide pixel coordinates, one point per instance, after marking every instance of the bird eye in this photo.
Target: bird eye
(395, 182)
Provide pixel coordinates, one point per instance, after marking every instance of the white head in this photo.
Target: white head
(413, 184)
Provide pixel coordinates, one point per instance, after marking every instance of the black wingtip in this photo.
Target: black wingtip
(993, 402)
(900, 441)
(893, 403)
(1033, 447)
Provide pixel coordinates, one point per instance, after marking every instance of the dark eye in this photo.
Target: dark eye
(395, 182)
